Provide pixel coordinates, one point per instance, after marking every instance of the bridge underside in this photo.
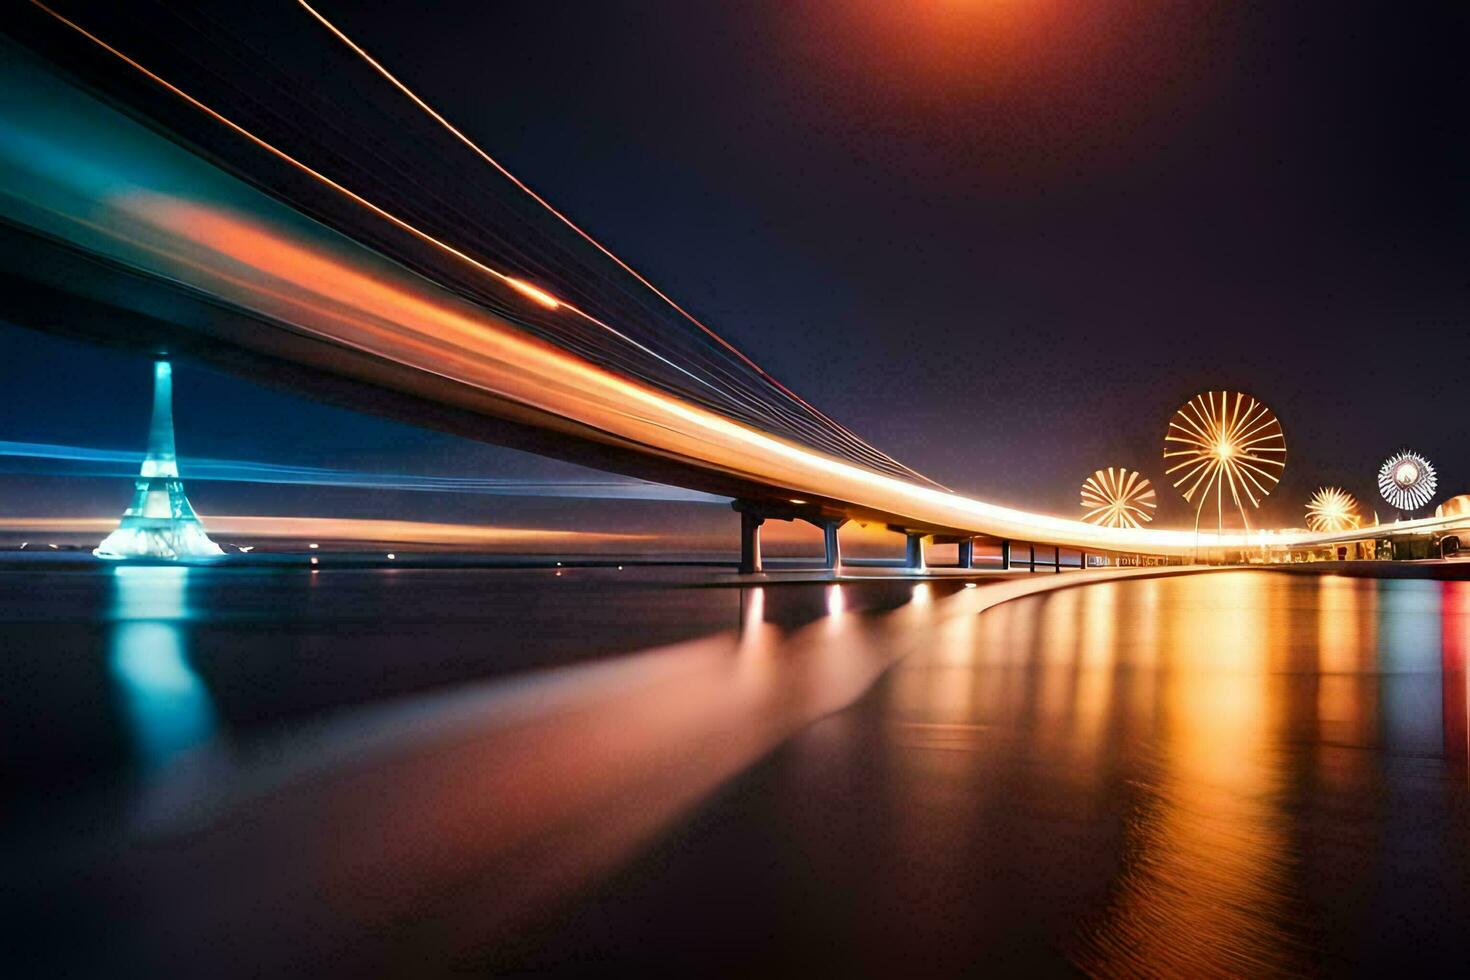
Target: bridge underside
(51, 286)
(122, 234)
(67, 292)
(121, 231)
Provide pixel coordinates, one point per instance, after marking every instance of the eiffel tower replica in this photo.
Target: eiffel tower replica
(161, 524)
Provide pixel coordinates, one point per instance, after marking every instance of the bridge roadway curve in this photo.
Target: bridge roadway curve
(111, 231)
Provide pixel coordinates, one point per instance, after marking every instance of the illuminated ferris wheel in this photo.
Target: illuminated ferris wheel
(1224, 446)
(1407, 480)
(1332, 509)
(1118, 497)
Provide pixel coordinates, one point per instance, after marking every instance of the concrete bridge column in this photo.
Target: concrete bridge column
(831, 547)
(1005, 556)
(967, 553)
(913, 555)
(750, 543)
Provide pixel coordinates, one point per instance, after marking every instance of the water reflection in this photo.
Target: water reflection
(835, 603)
(1212, 712)
(1205, 882)
(1409, 661)
(1347, 636)
(166, 705)
(1226, 774)
(752, 609)
(1455, 697)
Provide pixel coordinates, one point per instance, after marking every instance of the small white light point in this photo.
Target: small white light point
(313, 546)
(391, 556)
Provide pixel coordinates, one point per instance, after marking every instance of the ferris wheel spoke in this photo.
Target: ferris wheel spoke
(1190, 417)
(1110, 497)
(1224, 441)
(1206, 477)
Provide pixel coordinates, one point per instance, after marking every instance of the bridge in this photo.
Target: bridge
(145, 202)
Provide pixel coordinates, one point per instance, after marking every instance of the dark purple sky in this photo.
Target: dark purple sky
(1001, 239)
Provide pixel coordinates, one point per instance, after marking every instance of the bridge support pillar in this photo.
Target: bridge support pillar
(1005, 556)
(1031, 557)
(1082, 561)
(831, 547)
(750, 543)
(1056, 559)
(913, 553)
(967, 553)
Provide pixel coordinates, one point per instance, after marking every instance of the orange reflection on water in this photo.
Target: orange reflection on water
(1205, 881)
(543, 780)
(1141, 623)
(1096, 669)
(1347, 638)
(1174, 680)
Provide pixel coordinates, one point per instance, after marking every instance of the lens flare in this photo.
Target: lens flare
(1332, 509)
(1118, 497)
(1407, 480)
(1223, 443)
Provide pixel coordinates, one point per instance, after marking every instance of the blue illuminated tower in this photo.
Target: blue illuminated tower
(160, 523)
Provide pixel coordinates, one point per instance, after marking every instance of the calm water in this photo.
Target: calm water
(1234, 774)
(116, 670)
(424, 771)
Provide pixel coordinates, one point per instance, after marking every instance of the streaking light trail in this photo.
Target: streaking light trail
(115, 193)
(84, 461)
(718, 384)
(539, 295)
(352, 530)
(480, 152)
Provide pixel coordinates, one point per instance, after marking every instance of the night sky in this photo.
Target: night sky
(1000, 239)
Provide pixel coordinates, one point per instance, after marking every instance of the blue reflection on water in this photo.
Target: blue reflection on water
(1409, 626)
(165, 703)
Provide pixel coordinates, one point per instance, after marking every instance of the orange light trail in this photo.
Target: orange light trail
(539, 295)
(479, 151)
(303, 278)
(531, 292)
(386, 314)
(349, 530)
